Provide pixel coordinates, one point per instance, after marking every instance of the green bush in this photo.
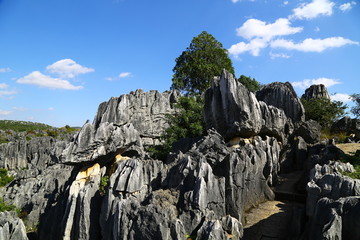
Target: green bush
(250, 83)
(4, 177)
(6, 207)
(187, 122)
(104, 181)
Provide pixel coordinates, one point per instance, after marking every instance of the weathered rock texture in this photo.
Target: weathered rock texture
(11, 227)
(123, 125)
(316, 91)
(283, 96)
(144, 110)
(234, 111)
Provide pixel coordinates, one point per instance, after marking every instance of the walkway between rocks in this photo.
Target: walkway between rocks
(276, 220)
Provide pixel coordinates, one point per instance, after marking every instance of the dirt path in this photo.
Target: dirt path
(349, 148)
(274, 219)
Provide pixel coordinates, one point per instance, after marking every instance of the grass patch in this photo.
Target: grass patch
(339, 137)
(5, 206)
(354, 159)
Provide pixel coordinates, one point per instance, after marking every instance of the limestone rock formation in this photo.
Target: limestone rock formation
(336, 219)
(231, 108)
(144, 110)
(283, 96)
(38, 153)
(123, 125)
(234, 111)
(316, 91)
(11, 227)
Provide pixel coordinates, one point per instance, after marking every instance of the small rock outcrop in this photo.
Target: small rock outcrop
(11, 227)
(315, 92)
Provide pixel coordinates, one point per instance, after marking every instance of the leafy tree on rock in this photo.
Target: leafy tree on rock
(199, 63)
(356, 109)
(250, 83)
(323, 110)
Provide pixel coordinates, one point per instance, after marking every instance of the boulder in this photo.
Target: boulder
(310, 131)
(316, 91)
(283, 96)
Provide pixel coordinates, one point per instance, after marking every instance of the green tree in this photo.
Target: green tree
(199, 63)
(356, 109)
(187, 122)
(323, 110)
(250, 83)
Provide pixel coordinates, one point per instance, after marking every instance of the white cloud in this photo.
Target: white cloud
(68, 68)
(254, 28)
(286, 3)
(259, 33)
(278, 55)
(5, 70)
(235, 1)
(317, 29)
(20, 109)
(51, 109)
(7, 93)
(347, 6)
(313, 9)
(312, 45)
(254, 47)
(327, 82)
(341, 97)
(3, 85)
(125, 74)
(41, 80)
(5, 113)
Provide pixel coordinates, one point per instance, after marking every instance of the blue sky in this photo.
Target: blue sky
(60, 59)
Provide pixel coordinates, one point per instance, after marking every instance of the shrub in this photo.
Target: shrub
(6, 207)
(4, 177)
(187, 122)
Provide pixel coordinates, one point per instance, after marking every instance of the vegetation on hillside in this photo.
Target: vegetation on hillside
(11, 130)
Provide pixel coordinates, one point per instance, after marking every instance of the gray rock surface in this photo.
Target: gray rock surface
(144, 110)
(283, 96)
(231, 108)
(310, 131)
(38, 153)
(336, 219)
(11, 227)
(316, 91)
(327, 181)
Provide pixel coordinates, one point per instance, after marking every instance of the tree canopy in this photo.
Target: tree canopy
(356, 109)
(323, 110)
(199, 63)
(250, 83)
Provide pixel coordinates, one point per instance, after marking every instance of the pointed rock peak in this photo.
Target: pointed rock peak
(283, 96)
(315, 92)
